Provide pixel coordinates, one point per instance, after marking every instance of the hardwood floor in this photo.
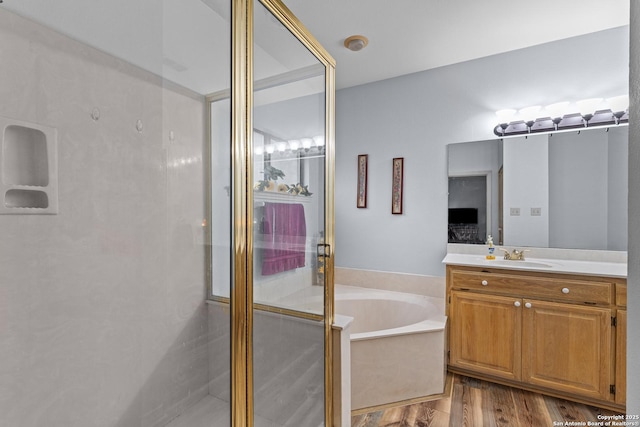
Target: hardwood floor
(473, 402)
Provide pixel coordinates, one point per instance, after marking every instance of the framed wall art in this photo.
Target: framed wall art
(362, 180)
(396, 187)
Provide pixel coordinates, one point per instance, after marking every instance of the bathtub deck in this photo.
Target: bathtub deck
(473, 402)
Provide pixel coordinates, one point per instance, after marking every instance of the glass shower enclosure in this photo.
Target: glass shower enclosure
(166, 215)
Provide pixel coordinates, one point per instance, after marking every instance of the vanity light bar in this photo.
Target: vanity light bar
(275, 145)
(556, 119)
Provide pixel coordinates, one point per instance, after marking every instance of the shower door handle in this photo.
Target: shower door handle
(324, 249)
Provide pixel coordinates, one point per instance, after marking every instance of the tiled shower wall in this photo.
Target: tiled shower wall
(102, 313)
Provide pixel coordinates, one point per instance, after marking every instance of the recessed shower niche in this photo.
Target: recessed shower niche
(28, 167)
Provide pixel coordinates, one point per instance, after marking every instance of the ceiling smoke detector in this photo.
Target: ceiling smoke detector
(356, 43)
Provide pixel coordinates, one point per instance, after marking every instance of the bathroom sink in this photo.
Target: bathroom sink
(518, 263)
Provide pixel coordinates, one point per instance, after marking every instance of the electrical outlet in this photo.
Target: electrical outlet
(536, 211)
(514, 211)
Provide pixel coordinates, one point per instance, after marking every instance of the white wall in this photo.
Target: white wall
(618, 181)
(416, 116)
(102, 313)
(526, 186)
(579, 190)
(633, 301)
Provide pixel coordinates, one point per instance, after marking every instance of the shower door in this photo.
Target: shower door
(291, 249)
(278, 196)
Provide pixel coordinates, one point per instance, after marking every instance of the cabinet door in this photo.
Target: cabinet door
(621, 357)
(485, 334)
(567, 348)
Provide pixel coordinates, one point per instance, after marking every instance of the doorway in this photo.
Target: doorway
(469, 208)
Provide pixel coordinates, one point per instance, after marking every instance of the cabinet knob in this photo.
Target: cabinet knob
(565, 290)
(528, 305)
(484, 283)
(517, 303)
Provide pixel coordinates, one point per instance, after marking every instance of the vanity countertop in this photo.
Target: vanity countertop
(543, 265)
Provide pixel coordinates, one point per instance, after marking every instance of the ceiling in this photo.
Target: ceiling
(407, 36)
(184, 40)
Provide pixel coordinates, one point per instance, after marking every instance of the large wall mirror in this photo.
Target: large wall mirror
(562, 190)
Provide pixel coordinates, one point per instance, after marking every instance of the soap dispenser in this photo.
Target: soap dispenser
(491, 248)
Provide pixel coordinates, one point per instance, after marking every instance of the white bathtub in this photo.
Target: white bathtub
(397, 345)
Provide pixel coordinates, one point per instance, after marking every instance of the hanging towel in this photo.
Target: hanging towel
(284, 235)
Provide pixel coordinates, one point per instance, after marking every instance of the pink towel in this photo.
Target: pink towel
(284, 235)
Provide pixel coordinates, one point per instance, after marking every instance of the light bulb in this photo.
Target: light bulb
(306, 143)
(618, 103)
(529, 113)
(505, 116)
(319, 140)
(294, 144)
(588, 106)
(557, 109)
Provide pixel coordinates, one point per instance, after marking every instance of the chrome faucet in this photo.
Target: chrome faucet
(514, 255)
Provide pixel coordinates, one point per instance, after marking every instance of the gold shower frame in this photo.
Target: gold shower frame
(241, 300)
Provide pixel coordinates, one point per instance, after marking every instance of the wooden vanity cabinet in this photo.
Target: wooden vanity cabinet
(621, 344)
(485, 334)
(551, 333)
(567, 348)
